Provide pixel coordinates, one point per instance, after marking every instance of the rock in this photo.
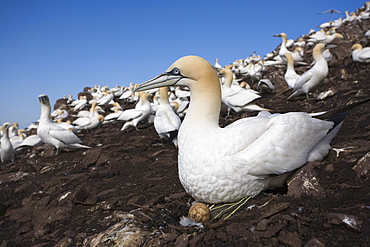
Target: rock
(350, 221)
(362, 167)
(314, 242)
(305, 182)
(289, 239)
(85, 195)
(182, 240)
(273, 209)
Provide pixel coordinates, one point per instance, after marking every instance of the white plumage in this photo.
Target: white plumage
(290, 75)
(237, 98)
(52, 134)
(310, 79)
(360, 54)
(166, 121)
(219, 165)
(7, 152)
(134, 116)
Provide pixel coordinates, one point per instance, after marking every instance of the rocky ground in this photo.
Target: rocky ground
(126, 189)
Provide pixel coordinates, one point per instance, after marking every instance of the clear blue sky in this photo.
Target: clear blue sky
(57, 47)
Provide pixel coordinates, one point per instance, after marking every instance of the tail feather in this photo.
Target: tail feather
(328, 115)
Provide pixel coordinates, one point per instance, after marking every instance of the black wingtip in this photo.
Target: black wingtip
(329, 115)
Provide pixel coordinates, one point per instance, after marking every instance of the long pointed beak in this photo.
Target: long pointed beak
(163, 80)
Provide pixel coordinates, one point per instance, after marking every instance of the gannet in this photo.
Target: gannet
(217, 65)
(80, 103)
(18, 139)
(290, 75)
(320, 37)
(360, 54)
(67, 125)
(7, 151)
(134, 116)
(367, 37)
(52, 134)
(218, 165)
(331, 11)
(106, 99)
(237, 98)
(180, 106)
(30, 141)
(265, 86)
(70, 99)
(90, 122)
(283, 48)
(166, 121)
(111, 117)
(310, 79)
(60, 114)
(13, 129)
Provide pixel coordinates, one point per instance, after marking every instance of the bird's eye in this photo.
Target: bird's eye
(175, 71)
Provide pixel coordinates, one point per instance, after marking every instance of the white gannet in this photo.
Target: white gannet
(290, 75)
(70, 99)
(13, 129)
(30, 141)
(310, 79)
(283, 49)
(7, 150)
(106, 99)
(321, 37)
(111, 117)
(18, 139)
(90, 122)
(237, 98)
(217, 65)
(80, 103)
(265, 86)
(218, 165)
(67, 125)
(51, 133)
(360, 54)
(166, 121)
(134, 116)
(367, 37)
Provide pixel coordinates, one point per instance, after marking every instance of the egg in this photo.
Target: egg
(199, 212)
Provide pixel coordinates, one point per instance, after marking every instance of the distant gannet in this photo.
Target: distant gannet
(360, 54)
(290, 75)
(331, 11)
(265, 86)
(90, 122)
(134, 116)
(217, 65)
(320, 37)
(218, 165)
(166, 121)
(30, 141)
(283, 49)
(18, 139)
(7, 151)
(237, 98)
(52, 134)
(310, 79)
(67, 125)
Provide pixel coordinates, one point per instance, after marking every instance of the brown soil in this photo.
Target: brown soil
(128, 182)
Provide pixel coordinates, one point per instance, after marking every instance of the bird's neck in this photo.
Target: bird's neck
(45, 113)
(204, 108)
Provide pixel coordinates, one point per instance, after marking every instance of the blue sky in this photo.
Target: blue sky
(58, 47)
